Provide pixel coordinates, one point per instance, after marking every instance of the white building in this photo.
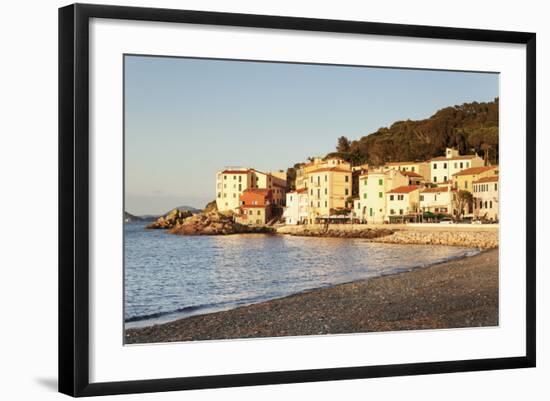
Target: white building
(371, 205)
(437, 200)
(486, 198)
(297, 207)
(442, 168)
(403, 201)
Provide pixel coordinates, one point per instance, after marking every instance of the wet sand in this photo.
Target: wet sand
(456, 294)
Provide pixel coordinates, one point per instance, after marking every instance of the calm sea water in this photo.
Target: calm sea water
(170, 276)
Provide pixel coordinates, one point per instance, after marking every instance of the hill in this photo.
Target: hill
(130, 218)
(470, 127)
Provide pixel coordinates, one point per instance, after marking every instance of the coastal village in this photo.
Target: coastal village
(445, 189)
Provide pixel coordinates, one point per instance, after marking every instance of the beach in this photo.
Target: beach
(455, 294)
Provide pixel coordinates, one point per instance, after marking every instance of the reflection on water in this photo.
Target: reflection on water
(170, 276)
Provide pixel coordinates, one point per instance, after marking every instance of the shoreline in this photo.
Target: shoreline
(458, 293)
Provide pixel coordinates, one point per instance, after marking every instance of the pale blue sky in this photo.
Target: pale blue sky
(185, 119)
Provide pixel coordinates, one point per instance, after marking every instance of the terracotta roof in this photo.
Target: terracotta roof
(435, 190)
(253, 206)
(475, 170)
(298, 191)
(487, 179)
(236, 171)
(404, 189)
(327, 169)
(411, 174)
(461, 157)
(399, 163)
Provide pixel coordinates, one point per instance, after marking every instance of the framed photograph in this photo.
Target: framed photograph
(251, 199)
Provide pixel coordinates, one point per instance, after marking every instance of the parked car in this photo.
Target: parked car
(446, 220)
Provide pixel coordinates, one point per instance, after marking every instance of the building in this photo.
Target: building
(403, 202)
(486, 197)
(302, 173)
(255, 206)
(443, 168)
(422, 168)
(297, 207)
(414, 178)
(438, 200)
(328, 190)
(464, 180)
(232, 182)
(373, 186)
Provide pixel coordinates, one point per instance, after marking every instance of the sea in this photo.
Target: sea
(167, 276)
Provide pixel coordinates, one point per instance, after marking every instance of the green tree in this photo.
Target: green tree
(344, 145)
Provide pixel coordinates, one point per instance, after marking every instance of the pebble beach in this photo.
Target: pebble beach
(455, 294)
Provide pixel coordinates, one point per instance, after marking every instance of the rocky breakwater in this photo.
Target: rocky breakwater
(473, 239)
(339, 231)
(170, 219)
(214, 223)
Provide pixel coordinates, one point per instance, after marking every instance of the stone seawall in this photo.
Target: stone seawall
(474, 239)
(485, 237)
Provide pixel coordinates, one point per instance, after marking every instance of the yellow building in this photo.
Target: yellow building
(328, 190)
(232, 182)
(302, 173)
(422, 168)
(464, 179)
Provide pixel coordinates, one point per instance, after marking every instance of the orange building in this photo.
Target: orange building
(255, 206)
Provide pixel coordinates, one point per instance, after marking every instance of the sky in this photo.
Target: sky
(186, 119)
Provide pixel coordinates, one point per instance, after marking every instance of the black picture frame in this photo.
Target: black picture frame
(74, 198)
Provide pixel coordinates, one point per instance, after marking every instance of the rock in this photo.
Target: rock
(213, 222)
(171, 219)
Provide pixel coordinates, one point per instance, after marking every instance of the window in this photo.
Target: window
(380, 194)
(421, 198)
(435, 198)
(225, 185)
(490, 204)
(234, 177)
(444, 165)
(392, 211)
(435, 166)
(240, 187)
(380, 181)
(326, 204)
(234, 195)
(391, 198)
(259, 212)
(400, 211)
(466, 184)
(485, 204)
(240, 178)
(400, 197)
(347, 191)
(496, 187)
(219, 195)
(461, 165)
(258, 222)
(365, 182)
(318, 204)
(250, 212)
(365, 195)
(456, 165)
(311, 179)
(318, 180)
(318, 193)
(347, 178)
(444, 178)
(225, 196)
(412, 169)
(467, 164)
(326, 178)
(225, 177)
(291, 198)
(358, 205)
(370, 212)
(311, 192)
(326, 191)
(435, 179)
